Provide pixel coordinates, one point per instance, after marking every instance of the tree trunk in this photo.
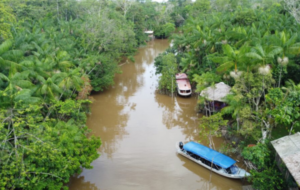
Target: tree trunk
(279, 77)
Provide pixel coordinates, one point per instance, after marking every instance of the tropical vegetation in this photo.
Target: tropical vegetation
(52, 55)
(254, 47)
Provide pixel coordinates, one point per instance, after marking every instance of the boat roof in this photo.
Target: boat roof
(183, 84)
(209, 154)
(148, 32)
(181, 76)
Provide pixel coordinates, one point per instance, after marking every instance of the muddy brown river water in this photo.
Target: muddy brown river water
(139, 128)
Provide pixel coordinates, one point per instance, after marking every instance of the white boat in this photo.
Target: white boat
(211, 159)
(183, 84)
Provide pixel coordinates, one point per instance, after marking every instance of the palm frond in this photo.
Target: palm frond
(274, 52)
(41, 79)
(27, 63)
(254, 56)
(292, 40)
(65, 64)
(283, 37)
(23, 83)
(259, 49)
(228, 50)
(5, 46)
(38, 48)
(25, 96)
(225, 66)
(21, 75)
(219, 59)
(13, 55)
(3, 77)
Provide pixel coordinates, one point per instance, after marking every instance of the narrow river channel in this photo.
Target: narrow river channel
(139, 128)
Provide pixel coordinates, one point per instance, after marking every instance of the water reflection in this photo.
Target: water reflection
(111, 108)
(108, 120)
(82, 184)
(179, 112)
(139, 128)
(152, 50)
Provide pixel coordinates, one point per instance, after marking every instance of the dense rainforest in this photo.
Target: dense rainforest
(254, 47)
(53, 54)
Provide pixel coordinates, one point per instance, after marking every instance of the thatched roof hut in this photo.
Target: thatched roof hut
(217, 92)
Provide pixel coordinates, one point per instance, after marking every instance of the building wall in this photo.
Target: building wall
(286, 174)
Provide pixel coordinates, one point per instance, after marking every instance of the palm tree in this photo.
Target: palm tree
(71, 80)
(250, 35)
(239, 35)
(232, 58)
(60, 61)
(289, 47)
(9, 57)
(25, 96)
(179, 41)
(36, 67)
(263, 56)
(48, 88)
(16, 81)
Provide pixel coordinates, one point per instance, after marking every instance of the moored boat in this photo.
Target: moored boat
(211, 159)
(183, 84)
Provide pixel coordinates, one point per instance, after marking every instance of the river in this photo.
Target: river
(139, 128)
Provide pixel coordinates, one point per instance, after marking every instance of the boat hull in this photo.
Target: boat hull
(240, 174)
(184, 92)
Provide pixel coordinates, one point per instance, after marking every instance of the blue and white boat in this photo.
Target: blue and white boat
(211, 159)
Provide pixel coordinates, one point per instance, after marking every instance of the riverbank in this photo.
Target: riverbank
(139, 129)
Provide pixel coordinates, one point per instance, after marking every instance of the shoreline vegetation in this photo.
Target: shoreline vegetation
(254, 47)
(53, 54)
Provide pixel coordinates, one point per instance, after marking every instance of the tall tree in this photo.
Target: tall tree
(232, 58)
(210, 127)
(169, 69)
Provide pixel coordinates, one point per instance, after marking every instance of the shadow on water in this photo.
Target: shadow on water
(82, 184)
(110, 109)
(179, 112)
